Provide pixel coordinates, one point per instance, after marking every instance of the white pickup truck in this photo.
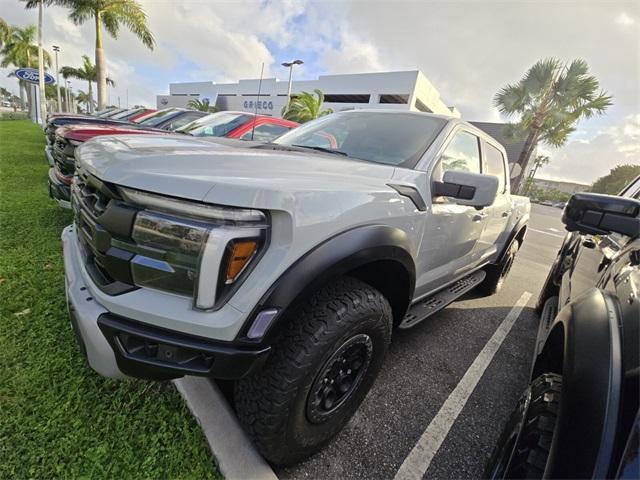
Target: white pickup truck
(285, 266)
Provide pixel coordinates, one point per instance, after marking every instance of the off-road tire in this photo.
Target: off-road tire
(523, 448)
(496, 274)
(273, 403)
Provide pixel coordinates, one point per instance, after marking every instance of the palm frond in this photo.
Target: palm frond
(540, 76)
(131, 14)
(512, 98)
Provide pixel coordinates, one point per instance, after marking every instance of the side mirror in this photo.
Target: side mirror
(597, 214)
(473, 189)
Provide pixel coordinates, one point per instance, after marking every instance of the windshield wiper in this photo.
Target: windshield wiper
(322, 149)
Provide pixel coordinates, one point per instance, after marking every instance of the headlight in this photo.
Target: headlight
(193, 248)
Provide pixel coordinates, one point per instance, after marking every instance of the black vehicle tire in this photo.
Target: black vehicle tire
(290, 408)
(496, 274)
(523, 448)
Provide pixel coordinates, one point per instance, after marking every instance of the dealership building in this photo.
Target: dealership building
(409, 90)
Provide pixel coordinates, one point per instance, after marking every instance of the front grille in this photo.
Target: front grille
(63, 155)
(92, 199)
(99, 220)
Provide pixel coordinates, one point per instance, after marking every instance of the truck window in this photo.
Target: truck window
(494, 161)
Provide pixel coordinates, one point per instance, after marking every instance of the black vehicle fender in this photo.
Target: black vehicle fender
(350, 252)
(551, 286)
(584, 346)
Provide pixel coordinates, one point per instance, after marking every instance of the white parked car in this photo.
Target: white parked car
(283, 266)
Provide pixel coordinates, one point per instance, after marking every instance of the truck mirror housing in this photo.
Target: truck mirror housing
(473, 189)
(596, 214)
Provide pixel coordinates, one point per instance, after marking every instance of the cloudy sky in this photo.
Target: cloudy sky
(467, 48)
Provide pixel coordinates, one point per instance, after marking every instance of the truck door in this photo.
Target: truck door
(495, 232)
(451, 231)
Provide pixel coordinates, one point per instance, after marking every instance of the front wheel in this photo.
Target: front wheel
(322, 366)
(523, 448)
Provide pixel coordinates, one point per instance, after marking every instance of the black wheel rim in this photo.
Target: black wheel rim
(339, 378)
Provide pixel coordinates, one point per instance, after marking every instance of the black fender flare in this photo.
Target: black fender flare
(333, 258)
(520, 226)
(584, 345)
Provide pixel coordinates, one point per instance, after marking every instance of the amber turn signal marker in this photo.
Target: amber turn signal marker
(240, 256)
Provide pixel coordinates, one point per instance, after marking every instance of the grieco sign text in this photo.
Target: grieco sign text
(260, 104)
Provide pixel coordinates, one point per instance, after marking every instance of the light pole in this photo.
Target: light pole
(290, 65)
(57, 49)
(70, 96)
(41, 92)
(66, 96)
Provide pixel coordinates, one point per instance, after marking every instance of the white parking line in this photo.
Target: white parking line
(417, 462)
(547, 233)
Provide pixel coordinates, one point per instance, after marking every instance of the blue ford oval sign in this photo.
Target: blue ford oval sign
(31, 75)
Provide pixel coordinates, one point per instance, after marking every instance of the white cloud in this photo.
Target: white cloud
(353, 55)
(625, 19)
(585, 160)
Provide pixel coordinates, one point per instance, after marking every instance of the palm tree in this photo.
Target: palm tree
(85, 97)
(201, 105)
(111, 14)
(20, 50)
(5, 30)
(87, 72)
(548, 101)
(538, 162)
(306, 107)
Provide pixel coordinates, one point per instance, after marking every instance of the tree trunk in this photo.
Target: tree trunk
(43, 98)
(90, 102)
(523, 160)
(21, 88)
(101, 66)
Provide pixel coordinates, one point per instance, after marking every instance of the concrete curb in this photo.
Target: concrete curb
(236, 456)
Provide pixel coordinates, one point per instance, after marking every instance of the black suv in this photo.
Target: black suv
(579, 417)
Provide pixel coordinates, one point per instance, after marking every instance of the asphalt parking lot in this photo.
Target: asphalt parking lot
(425, 369)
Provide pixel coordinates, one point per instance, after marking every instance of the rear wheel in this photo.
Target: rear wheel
(322, 366)
(523, 448)
(496, 274)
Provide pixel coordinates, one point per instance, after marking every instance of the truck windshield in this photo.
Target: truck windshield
(391, 138)
(215, 125)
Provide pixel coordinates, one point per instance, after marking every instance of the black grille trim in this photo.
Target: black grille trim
(107, 265)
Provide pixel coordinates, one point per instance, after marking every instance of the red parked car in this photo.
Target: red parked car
(238, 125)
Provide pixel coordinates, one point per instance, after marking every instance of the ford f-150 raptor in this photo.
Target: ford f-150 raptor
(283, 266)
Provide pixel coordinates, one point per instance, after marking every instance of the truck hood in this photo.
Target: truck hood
(192, 168)
(83, 132)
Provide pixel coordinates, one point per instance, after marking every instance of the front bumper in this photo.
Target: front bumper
(116, 346)
(58, 190)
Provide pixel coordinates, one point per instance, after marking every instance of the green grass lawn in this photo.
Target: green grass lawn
(57, 417)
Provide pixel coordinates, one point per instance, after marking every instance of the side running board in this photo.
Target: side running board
(436, 302)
